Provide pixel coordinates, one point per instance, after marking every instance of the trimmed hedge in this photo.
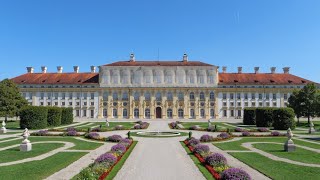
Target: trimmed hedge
(54, 116)
(33, 117)
(284, 119)
(264, 117)
(249, 116)
(67, 116)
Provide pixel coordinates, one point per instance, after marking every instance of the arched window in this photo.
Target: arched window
(115, 113)
(191, 96)
(180, 96)
(202, 96)
(192, 115)
(125, 96)
(105, 112)
(158, 96)
(147, 113)
(212, 113)
(211, 95)
(125, 77)
(180, 113)
(169, 77)
(170, 96)
(147, 96)
(136, 113)
(169, 113)
(136, 96)
(202, 113)
(115, 96)
(125, 113)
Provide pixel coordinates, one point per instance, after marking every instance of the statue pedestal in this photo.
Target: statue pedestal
(289, 146)
(3, 130)
(312, 130)
(25, 147)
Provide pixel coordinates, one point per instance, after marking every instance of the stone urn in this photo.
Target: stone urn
(25, 145)
(289, 145)
(3, 130)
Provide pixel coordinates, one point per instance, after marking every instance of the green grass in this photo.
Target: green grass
(39, 169)
(85, 126)
(15, 154)
(119, 165)
(300, 154)
(204, 125)
(13, 124)
(200, 166)
(305, 124)
(148, 136)
(79, 144)
(276, 169)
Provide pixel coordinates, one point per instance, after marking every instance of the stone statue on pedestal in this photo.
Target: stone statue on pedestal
(25, 145)
(311, 128)
(209, 122)
(289, 145)
(3, 130)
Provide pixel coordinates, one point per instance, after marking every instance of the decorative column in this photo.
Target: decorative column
(186, 105)
(196, 105)
(100, 105)
(109, 104)
(216, 106)
(141, 109)
(152, 105)
(207, 107)
(130, 106)
(175, 105)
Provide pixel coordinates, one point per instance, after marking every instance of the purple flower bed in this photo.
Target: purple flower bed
(235, 174)
(238, 129)
(126, 142)
(275, 133)
(96, 129)
(137, 126)
(193, 142)
(224, 135)
(263, 130)
(71, 129)
(72, 133)
(216, 159)
(119, 148)
(114, 138)
(206, 138)
(246, 133)
(193, 128)
(93, 135)
(201, 149)
(108, 159)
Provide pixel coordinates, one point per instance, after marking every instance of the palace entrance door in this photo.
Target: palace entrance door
(158, 112)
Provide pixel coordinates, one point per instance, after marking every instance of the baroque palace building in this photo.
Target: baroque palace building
(158, 89)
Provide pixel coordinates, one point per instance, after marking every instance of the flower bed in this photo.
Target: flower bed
(47, 133)
(215, 163)
(104, 164)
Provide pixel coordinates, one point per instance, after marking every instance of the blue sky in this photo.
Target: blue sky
(229, 33)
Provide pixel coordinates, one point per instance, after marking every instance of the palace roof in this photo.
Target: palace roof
(260, 78)
(158, 63)
(57, 78)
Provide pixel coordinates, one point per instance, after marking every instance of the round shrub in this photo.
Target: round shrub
(224, 135)
(114, 138)
(144, 125)
(246, 133)
(119, 148)
(137, 126)
(216, 159)
(284, 119)
(96, 129)
(107, 159)
(235, 173)
(93, 135)
(193, 142)
(237, 129)
(249, 116)
(72, 133)
(206, 138)
(33, 117)
(201, 149)
(67, 116)
(194, 127)
(54, 116)
(71, 129)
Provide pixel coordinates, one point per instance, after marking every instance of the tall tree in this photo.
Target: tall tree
(10, 99)
(295, 103)
(308, 96)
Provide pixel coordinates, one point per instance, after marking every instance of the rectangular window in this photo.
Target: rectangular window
(224, 96)
(274, 96)
(253, 96)
(285, 96)
(56, 103)
(253, 104)
(260, 104)
(238, 96)
(70, 103)
(78, 95)
(92, 95)
(239, 104)
(246, 96)
(63, 103)
(41, 95)
(231, 96)
(274, 104)
(49, 95)
(41, 103)
(77, 113)
(224, 104)
(267, 96)
(91, 113)
(85, 95)
(224, 113)
(78, 103)
(246, 104)
(231, 113)
(56, 95)
(84, 103)
(92, 103)
(260, 96)
(231, 104)
(70, 95)
(63, 95)
(84, 113)
(49, 103)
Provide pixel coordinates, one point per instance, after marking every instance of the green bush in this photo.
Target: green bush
(33, 117)
(249, 116)
(284, 119)
(264, 117)
(54, 116)
(67, 116)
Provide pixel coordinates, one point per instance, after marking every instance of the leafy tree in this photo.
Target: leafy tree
(11, 100)
(308, 98)
(295, 103)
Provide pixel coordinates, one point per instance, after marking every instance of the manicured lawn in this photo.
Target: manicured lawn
(111, 125)
(204, 125)
(15, 154)
(304, 124)
(39, 169)
(79, 144)
(200, 166)
(276, 169)
(13, 125)
(300, 154)
(11, 133)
